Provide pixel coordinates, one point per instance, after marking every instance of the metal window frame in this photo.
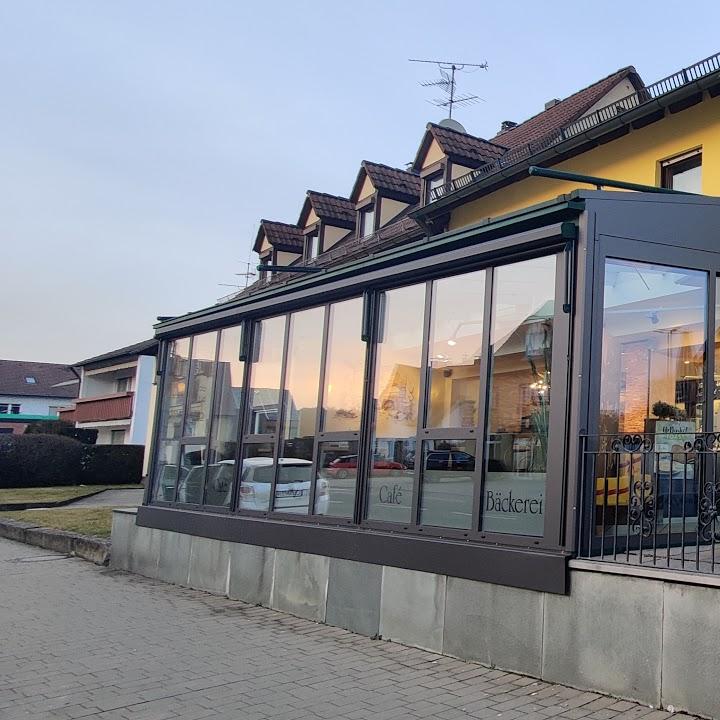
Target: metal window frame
(547, 240)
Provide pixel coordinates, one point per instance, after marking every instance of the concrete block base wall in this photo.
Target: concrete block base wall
(639, 638)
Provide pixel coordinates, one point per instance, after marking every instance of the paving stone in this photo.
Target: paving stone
(80, 641)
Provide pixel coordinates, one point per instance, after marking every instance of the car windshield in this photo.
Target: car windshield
(288, 473)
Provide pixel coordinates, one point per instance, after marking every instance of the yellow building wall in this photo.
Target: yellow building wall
(390, 209)
(332, 235)
(312, 219)
(633, 158)
(366, 190)
(433, 155)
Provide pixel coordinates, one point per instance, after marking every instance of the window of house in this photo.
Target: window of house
(15, 409)
(54, 410)
(4, 408)
(367, 221)
(117, 437)
(312, 247)
(9, 409)
(123, 384)
(30, 380)
(683, 172)
(432, 182)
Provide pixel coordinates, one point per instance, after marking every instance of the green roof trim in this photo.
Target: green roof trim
(9, 417)
(533, 216)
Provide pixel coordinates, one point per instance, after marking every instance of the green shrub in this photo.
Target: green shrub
(38, 460)
(112, 464)
(62, 427)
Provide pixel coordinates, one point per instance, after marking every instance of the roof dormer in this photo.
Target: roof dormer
(382, 193)
(447, 153)
(324, 221)
(278, 243)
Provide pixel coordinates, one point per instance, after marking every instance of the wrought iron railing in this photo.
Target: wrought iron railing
(651, 500)
(524, 152)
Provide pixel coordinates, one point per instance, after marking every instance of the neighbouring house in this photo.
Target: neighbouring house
(116, 394)
(475, 407)
(33, 391)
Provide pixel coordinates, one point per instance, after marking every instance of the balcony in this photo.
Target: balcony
(117, 406)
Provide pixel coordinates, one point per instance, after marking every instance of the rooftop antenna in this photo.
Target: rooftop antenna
(448, 85)
(247, 274)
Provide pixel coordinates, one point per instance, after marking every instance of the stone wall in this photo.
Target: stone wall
(651, 639)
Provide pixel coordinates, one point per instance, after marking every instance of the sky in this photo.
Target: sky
(142, 141)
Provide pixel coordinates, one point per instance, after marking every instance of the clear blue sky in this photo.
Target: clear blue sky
(141, 142)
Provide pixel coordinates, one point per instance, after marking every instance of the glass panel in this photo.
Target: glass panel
(192, 474)
(337, 477)
(447, 483)
(716, 384)
(367, 222)
(265, 377)
(519, 409)
(456, 325)
(688, 180)
(171, 416)
(345, 368)
(300, 413)
(200, 385)
(258, 471)
(653, 365)
(395, 404)
(226, 415)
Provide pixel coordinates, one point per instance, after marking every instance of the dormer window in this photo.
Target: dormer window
(367, 221)
(30, 380)
(312, 246)
(432, 182)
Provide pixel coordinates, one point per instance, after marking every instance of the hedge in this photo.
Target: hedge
(62, 427)
(38, 460)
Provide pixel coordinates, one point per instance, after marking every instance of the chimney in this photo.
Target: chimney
(551, 103)
(506, 125)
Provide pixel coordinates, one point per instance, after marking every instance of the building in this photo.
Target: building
(116, 394)
(479, 422)
(33, 391)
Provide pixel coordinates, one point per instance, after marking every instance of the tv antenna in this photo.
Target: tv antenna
(247, 274)
(448, 85)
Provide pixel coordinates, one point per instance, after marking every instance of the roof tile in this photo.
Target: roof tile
(393, 180)
(332, 208)
(47, 377)
(566, 111)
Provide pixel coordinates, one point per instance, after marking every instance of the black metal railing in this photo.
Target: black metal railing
(651, 500)
(598, 117)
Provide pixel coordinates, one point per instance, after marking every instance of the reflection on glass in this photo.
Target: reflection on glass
(265, 375)
(226, 414)
(192, 474)
(337, 477)
(518, 423)
(170, 422)
(256, 476)
(448, 480)
(345, 367)
(716, 394)
(456, 325)
(200, 385)
(653, 363)
(302, 380)
(397, 377)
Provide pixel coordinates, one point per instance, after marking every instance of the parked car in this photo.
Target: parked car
(449, 460)
(292, 492)
(341, 467)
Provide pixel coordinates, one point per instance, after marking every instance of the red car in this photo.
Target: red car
(343, 466)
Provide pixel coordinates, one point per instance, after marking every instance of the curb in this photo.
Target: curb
(89, 548)
(10, 507)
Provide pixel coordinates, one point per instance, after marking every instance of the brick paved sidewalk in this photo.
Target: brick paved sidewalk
(81, 641)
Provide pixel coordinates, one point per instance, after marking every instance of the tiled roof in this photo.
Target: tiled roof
(47, 377)
(332, 208)
(146, 347)
(466, 146)
(282, 235)
(566, 111)
(392, 180)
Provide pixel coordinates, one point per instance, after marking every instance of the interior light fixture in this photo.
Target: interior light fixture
(452, 343)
